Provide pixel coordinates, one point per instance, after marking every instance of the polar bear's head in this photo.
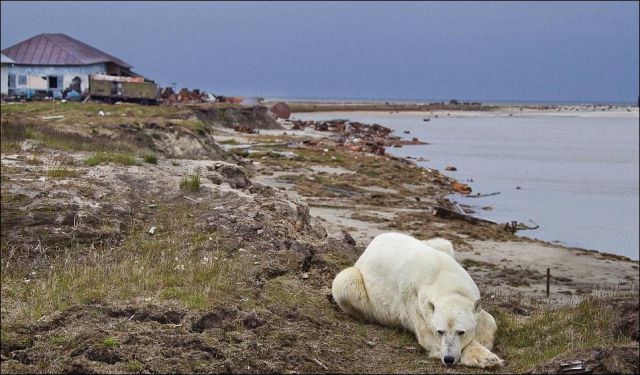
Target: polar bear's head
(453, 321)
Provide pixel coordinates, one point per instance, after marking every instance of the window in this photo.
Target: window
(22, 80)
(53, 82)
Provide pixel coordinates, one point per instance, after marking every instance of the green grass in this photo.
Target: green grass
(229, 142)
(61, 173)
(14, 132)
(134, 366)
(11, 135)
(182, 263)
(179, 263)
(190, 183)
(150, 157)
(110, 157)
(80, 111)
(527, 341)
(58, 340)
(193, 124)
(110, 342)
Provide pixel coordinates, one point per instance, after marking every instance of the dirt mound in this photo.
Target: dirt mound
(626, 324)
(175, 141)
(613, 360)
(252, 118)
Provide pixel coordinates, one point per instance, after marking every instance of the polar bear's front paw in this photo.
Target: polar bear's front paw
(477, 355)
(491, 360)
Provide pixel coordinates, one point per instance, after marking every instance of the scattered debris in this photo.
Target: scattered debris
(357, 136)
(575, 367)
(281, 110)
(446, 213)
(622, 359)
(152, 230)
(514, 226)
(52, 117)
(245, 129)
(460, 187)
(230, 99)
(478, 195)
(321, 364)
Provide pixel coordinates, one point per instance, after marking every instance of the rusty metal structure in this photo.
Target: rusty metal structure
(281, 110)
(110, 89)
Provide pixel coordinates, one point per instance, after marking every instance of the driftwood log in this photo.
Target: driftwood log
(446, 213)
(478, 195)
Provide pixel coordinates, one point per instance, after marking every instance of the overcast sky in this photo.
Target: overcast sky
(551, 51)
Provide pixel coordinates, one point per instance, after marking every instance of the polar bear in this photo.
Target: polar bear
(404, 282)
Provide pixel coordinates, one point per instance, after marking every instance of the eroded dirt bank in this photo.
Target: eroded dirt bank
(117, 258)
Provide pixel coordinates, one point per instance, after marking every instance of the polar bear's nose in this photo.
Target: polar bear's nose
(448, 360)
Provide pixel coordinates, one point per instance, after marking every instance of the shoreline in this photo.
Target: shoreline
(472, 114)
(498, 260)
(461, 108)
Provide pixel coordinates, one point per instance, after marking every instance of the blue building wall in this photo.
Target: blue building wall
(35, 77)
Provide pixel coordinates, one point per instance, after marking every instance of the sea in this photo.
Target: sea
(575, 175)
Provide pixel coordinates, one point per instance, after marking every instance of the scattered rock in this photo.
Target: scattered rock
(348, 238)
(450, 168)
(234, 175)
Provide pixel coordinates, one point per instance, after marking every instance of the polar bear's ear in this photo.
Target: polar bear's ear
(431, 307)
(477, 306)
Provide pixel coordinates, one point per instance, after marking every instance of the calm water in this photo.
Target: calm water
(578, 174)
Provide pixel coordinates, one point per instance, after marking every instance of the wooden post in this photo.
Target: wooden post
(548, 278)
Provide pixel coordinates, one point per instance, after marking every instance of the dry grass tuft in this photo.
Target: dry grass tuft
(190, 183)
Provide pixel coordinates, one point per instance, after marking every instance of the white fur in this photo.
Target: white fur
(418, 285)
(441, 244)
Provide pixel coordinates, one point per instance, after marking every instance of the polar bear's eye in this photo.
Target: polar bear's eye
(440, 332)
(460, 333)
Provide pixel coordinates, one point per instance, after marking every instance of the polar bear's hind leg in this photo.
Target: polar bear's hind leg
(350, 293)
(441, 244)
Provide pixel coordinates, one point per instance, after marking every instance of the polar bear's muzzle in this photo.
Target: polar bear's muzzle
(449, 360)
(450, 349)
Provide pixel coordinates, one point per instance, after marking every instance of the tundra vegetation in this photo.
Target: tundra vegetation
(236, 276)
